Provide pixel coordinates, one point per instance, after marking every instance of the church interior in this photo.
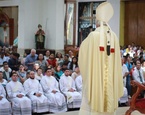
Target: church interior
(55, 29)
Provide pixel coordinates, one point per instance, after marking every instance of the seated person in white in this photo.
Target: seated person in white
(5, 106)
(138, 75)
(21, 105)
(57, 102)
(3, 68)
(67, 86)
(35, 93)
(78, 82)
(125, 72)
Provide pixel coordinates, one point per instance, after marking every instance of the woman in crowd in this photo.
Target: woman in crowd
(42, 63)
(73, 64)
(52, 61)
(59, 58)
(58, 72)
(22, 74)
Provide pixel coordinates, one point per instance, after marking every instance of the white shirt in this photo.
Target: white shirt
(2, 69)
(3, 59)
(136, 77)
(124, 70)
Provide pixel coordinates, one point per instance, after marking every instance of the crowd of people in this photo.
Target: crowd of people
(133, 68)
(38, 83)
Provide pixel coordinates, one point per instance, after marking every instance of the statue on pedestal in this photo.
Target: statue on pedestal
(40, 38)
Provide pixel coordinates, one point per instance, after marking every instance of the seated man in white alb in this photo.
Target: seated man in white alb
(125, 72)
(21, 105)
(5, 106)
(67, 86)
(78, 82)
(35, 93)
(56, 100)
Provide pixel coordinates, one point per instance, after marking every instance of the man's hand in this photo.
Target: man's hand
(38, 94)
(54, 91)
(1, 97)
(71, 90)
(20, 95)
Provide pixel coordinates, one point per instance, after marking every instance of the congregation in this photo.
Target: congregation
(133, 68)
(40, 83)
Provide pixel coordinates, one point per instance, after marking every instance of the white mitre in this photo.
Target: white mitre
(104, 13)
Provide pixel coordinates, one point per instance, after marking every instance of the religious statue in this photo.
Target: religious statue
(100, 66)
(40, 38)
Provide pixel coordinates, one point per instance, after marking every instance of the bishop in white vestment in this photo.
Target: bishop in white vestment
(21, 105)
(100, 67)
(5, 106)
(35, 93)
(67, 86)
(57, 102)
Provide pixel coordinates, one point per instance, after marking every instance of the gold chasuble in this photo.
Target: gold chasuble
(100, 66)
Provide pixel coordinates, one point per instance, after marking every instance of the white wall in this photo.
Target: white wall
(28, 21)
(115, 21)
(53, 12)
(49, 13)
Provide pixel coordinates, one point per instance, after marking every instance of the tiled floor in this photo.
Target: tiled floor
(120, 111)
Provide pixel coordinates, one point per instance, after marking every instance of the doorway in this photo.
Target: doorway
(8, 25)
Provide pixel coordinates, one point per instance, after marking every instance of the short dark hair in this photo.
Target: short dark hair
(39, 68)
(13, 73)
(66, 69)
(48, 69)
(5, 62)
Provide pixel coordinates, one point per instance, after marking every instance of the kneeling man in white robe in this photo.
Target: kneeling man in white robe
(57, 102)
(67, 86)
(21, 105)
(5, 106)
(35, 93)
